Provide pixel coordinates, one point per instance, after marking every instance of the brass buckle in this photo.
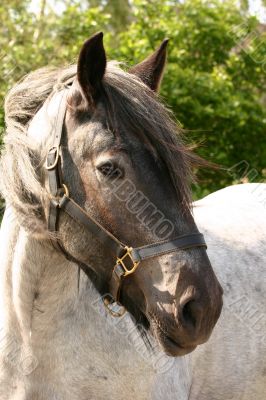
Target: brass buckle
(120, 261)
(49, 167)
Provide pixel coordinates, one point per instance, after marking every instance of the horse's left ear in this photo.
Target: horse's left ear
(150, 71)
(91, 67)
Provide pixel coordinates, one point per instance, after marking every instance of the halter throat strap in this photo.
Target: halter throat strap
(127, 258)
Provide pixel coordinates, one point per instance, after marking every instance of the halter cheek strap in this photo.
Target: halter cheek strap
(127, 258)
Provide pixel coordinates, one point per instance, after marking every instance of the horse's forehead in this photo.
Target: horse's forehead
(94, 134)
(43, 121)
(90, 139)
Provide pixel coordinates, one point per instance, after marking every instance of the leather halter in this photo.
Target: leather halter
(127, 258)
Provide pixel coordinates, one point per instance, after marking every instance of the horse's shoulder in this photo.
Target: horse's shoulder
(236, 212)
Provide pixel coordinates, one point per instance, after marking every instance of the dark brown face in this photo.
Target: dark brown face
(124, 182)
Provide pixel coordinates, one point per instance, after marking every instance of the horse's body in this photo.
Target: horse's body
(118, 151)
(61, 343)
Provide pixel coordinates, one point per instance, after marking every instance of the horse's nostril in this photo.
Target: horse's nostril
(189, 315)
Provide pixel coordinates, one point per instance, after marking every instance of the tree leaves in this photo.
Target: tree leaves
(214, 81)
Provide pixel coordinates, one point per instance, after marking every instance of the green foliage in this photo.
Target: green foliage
(214, 81)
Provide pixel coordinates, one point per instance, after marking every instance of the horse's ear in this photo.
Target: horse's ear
(150, 71)
(91, 67)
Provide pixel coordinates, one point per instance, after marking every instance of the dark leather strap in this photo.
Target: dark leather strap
(139, 254)
(127, 259)
(117, 248)
(181, 243)
(88, 222)
(54, 168)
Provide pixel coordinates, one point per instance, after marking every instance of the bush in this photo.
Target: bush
(214, 81)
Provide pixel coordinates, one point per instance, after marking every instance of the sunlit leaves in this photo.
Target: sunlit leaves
(214, 81)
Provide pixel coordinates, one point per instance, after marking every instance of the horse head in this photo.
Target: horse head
(126, 175)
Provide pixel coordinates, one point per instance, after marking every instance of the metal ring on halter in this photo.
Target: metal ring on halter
(66, 190)
(116, 314)
(58, 198)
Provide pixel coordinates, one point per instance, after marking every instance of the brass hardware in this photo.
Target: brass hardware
(120, 261)
(49, 167)
(66, 190)
(58, 198)
(117, 314)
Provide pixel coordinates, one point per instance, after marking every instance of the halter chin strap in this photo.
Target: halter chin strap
(127, 258)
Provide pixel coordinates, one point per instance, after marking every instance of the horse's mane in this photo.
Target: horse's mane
(21, 182)
(129, 100)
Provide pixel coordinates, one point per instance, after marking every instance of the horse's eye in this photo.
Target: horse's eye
(110, 170)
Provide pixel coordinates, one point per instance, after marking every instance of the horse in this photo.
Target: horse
(107, 290)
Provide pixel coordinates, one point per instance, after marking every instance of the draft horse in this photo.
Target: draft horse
(105, 279)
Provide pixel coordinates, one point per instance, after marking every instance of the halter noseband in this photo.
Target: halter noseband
(127, 258)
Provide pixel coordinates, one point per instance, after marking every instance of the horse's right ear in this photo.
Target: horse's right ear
(91, 67)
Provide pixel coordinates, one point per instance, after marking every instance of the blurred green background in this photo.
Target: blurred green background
(214, 81)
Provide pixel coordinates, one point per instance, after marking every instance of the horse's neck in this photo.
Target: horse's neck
(56, 320)
(53, 322)
(31, 273)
